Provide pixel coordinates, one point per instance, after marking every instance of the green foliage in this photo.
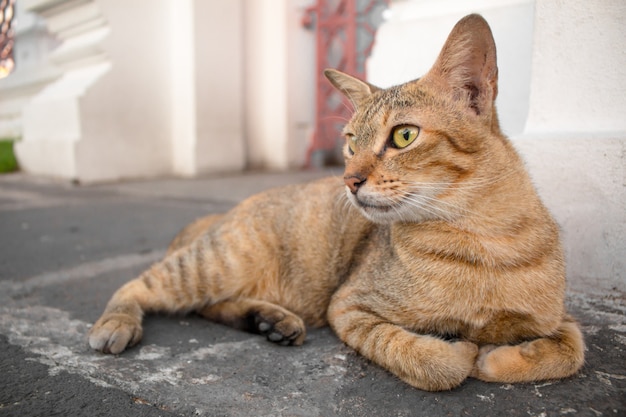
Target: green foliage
(8, 163)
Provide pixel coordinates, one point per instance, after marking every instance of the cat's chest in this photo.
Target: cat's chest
(418, 289)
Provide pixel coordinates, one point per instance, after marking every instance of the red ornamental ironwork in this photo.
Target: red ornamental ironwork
(345, 32)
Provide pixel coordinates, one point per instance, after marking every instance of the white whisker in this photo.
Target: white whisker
(424, 204)
(460, 186)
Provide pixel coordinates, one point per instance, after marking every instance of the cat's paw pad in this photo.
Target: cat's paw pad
(281, 327)
(113, 333)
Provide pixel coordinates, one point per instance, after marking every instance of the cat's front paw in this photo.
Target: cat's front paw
(447, 368)
(466, 353)
(113, 333)
(491, 362)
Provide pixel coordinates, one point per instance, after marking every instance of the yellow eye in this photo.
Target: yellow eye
(404, 135)
(351, 144)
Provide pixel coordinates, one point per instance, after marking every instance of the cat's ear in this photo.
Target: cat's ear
(354, 89)
(467, 63)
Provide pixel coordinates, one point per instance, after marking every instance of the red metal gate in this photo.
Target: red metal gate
(345, 32)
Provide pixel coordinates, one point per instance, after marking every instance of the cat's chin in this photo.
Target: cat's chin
(381, 213)
(379, 217)
(377, 212)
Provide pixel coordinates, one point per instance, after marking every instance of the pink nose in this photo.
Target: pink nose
(354, 182)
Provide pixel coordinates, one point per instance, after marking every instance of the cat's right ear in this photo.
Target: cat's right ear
(467, 63)
(354, 89)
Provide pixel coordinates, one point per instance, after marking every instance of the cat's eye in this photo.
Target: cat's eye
(351, 143)
(404, 135)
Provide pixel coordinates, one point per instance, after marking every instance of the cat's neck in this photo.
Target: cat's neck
(499, 226)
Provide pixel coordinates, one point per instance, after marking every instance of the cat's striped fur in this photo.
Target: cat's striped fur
(441, 263)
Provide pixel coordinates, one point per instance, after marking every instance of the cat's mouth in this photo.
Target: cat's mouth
(376, 211)
(374, 207)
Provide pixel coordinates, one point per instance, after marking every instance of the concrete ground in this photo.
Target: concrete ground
(64, 250)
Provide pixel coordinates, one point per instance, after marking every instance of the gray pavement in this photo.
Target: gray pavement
(64, 250)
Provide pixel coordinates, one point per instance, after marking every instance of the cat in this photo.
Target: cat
(434, 257)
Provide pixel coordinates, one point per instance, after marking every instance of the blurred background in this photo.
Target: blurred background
(105, 90)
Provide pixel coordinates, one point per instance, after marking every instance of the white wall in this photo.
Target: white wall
(575, 136)
(579, 67)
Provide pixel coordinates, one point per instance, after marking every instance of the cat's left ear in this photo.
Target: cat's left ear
(467, 63)
(354, 89)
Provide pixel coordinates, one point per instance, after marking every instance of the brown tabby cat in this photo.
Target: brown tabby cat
(443, 265)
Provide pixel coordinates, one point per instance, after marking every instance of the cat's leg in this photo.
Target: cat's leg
(425, 362)
(554, 357)
(184, 281)
(278, 324)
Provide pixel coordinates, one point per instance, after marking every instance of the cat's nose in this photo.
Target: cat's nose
(354, 182)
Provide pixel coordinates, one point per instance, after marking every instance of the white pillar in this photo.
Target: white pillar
(280, 86)
(575, 137)
(219, 84)
(183, 73)
(266, 87)
(207, 86)
(301, 87)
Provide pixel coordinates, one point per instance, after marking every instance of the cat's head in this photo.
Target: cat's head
(410, 147)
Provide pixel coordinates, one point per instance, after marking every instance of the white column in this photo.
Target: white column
(207, 86)
(266, 87)
(280, 84)
(219, 84)
(183, 73)
(301, 86)
(575, 137)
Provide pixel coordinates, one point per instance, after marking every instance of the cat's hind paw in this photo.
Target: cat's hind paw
(114, 333)
(284, 328)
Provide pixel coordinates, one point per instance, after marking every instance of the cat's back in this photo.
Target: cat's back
(305, 238)
(280, 208)
(310, 225)
(291, 245)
